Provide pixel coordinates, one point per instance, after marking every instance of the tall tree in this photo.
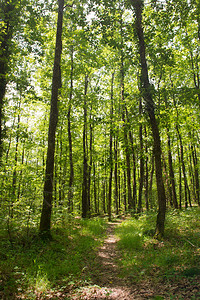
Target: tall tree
(71, 176)
(111, 149)
(150, 108)
(9, 14)
(85, 204)
(45, 221)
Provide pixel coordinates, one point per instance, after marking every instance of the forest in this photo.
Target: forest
(99, 140)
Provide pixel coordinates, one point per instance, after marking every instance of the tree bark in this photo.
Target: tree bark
(95, 189)
(116, 176)
(146, 176)
(186, 186)
(196, 172)
(151, 182)
(134, 162)
(131, 205)
(9, 14)
(45, 221)
(171, 172)
(124, 192)
(141, 181)
(14, 181)
(71, 173)
(85, 206)
(111, 149)
(91, 159)
(150, 108)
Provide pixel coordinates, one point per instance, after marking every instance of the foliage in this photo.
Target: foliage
(170, 259)
(31, 268)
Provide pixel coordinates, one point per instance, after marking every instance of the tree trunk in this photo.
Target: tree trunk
(196, 173)
(85, 207)
(146, 176)
(131, 205)
(45, 221)
(180, 179)
(134, 163)
(95, 189)
(171, 172)
(167, 182)
(187, 191)
(141, 181)
(111, 150)
(151, 182)
(124, 192)
(9, 14)
(91, 160)
(116, 176)
(71, 173)
(150, 108)
(14, 181)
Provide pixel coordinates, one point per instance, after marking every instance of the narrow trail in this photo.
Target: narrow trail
(107, 282)
(109, 278)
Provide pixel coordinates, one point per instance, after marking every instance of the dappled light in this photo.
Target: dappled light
(99, 149)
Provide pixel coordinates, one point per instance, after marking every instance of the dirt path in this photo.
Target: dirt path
(107, 282)
(106, 279)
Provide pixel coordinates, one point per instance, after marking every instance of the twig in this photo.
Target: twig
(190, 243)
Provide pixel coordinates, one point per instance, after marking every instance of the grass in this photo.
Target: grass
(32, 269)
(174, 258)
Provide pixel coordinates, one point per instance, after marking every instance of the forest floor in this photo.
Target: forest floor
(109, 283)
(95, 259)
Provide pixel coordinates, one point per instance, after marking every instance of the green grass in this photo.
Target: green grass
(176, 256)
(33, 269)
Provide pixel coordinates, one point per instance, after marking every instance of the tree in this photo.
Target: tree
(9, 15)
(85, 205)
(150, 108)
(45, 221)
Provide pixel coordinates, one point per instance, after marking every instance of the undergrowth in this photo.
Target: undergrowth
(175, 257)
(33, 269)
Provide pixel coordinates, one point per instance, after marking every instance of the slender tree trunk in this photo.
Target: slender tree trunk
(196, 173)
(85, 206)
(116, 176)
(119, 188)
(20, 190)
(111, 149)
(8, 9)
(104, 195)
(146, 176)
(180, 179)
(14, 181)
(134, 163)
(45, 221)
(131, 205)
(151, 181)
(91, 160)
(95, 189)
(56, 174)
(71, 173)
(167, 181)
(186, 187)
(124, 192)
(141, 181)
(61, 180)
(150, 107)
(171, 172)
(191, 173)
